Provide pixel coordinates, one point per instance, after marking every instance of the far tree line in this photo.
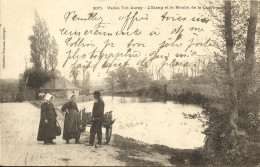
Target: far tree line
(123, 79)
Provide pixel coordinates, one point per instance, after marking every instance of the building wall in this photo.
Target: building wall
(61, 94)
(8, 90)
(71, 92)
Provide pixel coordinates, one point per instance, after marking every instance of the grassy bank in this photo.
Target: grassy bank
(134, 153)
(137, 153)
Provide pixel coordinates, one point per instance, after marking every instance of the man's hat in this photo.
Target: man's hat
(97, 93)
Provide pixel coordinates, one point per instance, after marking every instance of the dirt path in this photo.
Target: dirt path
(19, 128)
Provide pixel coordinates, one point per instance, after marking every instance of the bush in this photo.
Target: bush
(197, 158)
(248, 113)
(223, 148)
(155, 91)
(36, 78)
(191, 98)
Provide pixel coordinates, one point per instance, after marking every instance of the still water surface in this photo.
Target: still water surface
(154, 122)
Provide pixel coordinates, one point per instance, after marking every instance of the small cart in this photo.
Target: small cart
(86, 121)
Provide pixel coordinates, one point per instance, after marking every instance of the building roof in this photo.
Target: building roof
(59, 83)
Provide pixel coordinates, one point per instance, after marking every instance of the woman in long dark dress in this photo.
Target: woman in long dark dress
(72, 121)
(47, 125)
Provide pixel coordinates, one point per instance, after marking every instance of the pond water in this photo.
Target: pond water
(154, 122)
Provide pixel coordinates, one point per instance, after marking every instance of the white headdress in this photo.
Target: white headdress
(48, 96)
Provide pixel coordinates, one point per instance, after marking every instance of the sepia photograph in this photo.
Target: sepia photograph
(130, 83)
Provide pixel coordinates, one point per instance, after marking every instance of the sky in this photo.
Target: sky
(18, 16)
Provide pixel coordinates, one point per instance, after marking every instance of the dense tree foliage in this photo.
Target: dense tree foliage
(128, 79)
(233, 123)
(44, 49)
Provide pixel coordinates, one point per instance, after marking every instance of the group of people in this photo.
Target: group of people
(71, 130)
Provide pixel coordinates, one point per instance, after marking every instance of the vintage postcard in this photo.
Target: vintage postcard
(129, 83)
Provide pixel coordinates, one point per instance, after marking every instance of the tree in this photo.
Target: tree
(133, 78)
(36, 78)
(231, 72)
(44, 49)
(122, 78)
(250, 47)
(45, 43)
(111, 81)
(244, 57)
(52, 59)
(236, 29)
(75, 74)
(85, 83)
(143, 77)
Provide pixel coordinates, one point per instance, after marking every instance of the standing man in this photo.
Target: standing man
(97, 117)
